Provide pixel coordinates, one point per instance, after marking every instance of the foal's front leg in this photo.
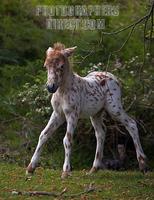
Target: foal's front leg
(67, 141)
(55, 121)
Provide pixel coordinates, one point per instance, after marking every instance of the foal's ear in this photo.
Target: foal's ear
(49, 50)
(69, 51)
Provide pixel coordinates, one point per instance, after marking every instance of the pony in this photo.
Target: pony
(76, 97)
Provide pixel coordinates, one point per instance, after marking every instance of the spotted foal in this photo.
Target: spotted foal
(79, 97)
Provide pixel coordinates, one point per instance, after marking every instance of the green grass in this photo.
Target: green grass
(108, 184)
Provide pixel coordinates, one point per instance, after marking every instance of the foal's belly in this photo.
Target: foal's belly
(93, 97)
(91, 106)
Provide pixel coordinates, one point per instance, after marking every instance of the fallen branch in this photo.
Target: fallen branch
(35, 193)
(89, 189)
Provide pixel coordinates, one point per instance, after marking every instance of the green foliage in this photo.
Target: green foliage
(25, 104)
(35, 99)
(20, 34)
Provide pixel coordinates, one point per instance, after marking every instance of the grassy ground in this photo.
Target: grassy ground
(106, 184)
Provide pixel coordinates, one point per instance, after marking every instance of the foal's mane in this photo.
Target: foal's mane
(58, 46)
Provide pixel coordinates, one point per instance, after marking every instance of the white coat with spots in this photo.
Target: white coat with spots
(78, 97)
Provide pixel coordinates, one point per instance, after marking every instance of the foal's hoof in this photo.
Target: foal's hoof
(92, 170)
(65, 175)
(143, 167)
(30, 170)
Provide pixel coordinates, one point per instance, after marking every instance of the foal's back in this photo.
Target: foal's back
(97, 88)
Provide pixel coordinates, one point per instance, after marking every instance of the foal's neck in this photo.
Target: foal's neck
(67, 80)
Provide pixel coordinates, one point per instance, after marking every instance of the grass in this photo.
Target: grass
(108, 185)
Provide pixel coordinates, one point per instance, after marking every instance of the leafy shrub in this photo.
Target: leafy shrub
(35, 99)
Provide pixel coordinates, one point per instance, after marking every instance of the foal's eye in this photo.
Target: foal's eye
(62, 66)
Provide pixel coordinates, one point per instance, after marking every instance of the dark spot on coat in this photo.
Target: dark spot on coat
(141, 158)
(91, 86)
(74, 90)
(135, 145)
(103, 82)
(118, 113)
(66, 167)
(66, 145)
(69, 146)
(30, 169)
(97, 155)
(73, 107)
(38, 149)
(117, 83)
(76, 114)
(56, 123)
(96, 98)
(69, 136)
(101, 76)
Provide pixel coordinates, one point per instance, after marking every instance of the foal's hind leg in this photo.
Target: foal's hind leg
(100, 138)
(114, 108)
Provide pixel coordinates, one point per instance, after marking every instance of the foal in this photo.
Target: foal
(78, 97)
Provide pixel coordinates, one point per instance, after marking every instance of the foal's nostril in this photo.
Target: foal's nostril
(52, 88)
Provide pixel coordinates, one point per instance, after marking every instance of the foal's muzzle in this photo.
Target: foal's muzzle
(52, 88)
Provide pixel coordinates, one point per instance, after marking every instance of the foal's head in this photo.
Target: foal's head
(57, 65)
